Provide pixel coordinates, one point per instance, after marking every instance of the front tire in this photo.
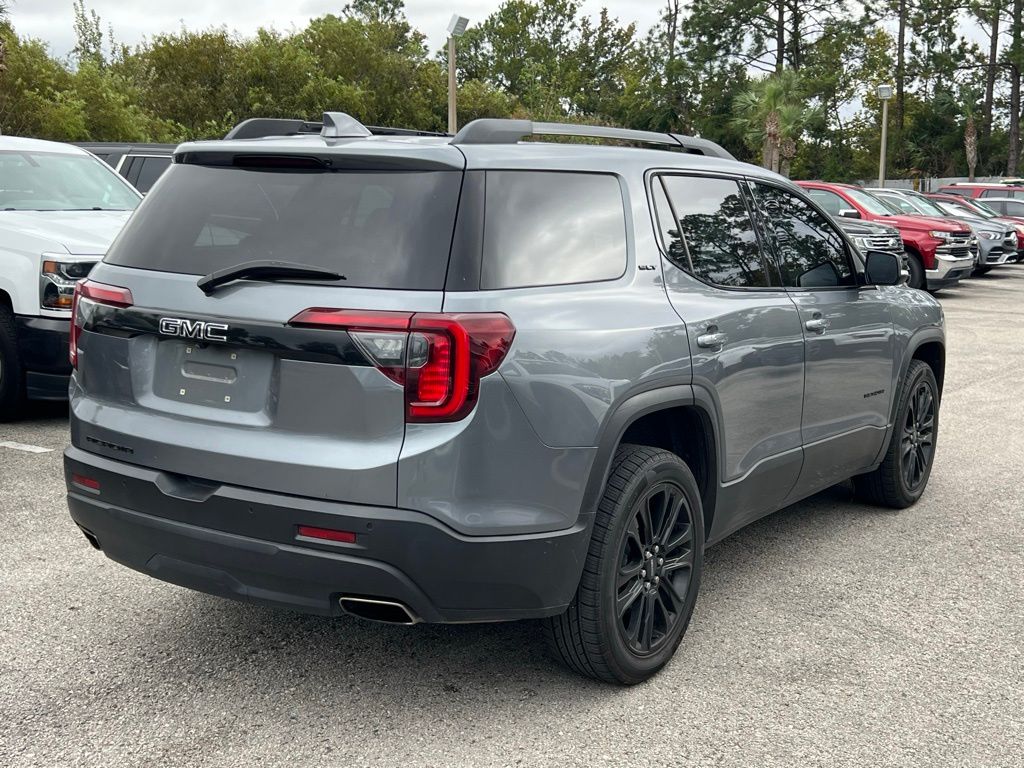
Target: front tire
(918, 279)
(901, 478)
(642, 572)
(12, 378)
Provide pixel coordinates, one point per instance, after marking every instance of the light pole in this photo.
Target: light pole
(884, 93)
(456, 28)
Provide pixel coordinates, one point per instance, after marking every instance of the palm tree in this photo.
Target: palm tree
(970, 113)
(772, 113)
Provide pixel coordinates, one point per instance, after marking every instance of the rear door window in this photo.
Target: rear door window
(380, 229)
(552, 228)
(707, 231)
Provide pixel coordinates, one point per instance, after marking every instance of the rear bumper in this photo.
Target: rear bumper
(43, 348)
(243, 544)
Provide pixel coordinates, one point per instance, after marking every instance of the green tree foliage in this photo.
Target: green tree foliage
(787, 83)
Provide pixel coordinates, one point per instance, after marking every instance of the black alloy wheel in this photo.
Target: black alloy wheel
(642, 573)
(918, 447)
(902, 476)
(655, 568)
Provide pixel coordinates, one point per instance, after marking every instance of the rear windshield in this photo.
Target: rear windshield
(380, 229)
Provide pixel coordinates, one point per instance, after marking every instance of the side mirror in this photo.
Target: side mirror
(882, 268)
(849, 213)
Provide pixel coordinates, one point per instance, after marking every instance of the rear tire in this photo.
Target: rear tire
(12, 377)
(642, 572)
(901, 478)
(917, 276)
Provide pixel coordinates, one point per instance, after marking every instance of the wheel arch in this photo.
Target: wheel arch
(929, 346)
(672, 418)
(933, 352)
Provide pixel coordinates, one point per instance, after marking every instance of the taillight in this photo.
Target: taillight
(100, 293)
(438, 357)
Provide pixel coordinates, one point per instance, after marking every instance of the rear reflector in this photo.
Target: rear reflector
(99, 293)
(439, 358)
(86, 482)
(328, 534)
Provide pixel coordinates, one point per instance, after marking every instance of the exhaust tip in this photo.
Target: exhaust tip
(384, 611)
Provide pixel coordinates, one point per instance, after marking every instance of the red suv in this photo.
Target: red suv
(983, 190)
(938, 250)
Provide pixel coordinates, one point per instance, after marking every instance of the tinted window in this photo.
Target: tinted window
(709, 233)
(548, 228)
(811, 252)
(383, 229)
(152, 168)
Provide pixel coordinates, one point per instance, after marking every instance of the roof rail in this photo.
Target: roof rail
(498, 131)
(333, 125)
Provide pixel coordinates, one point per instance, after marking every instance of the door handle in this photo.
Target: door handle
(712, 339)
(817, 325)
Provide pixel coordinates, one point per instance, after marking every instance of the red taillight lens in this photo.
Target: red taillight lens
(438, 357)
(101, 293)
(432, 379)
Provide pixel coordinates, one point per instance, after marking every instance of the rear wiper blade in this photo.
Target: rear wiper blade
(264, 270)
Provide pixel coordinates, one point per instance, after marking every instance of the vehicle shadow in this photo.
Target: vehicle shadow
(352, 662)
(43, 410)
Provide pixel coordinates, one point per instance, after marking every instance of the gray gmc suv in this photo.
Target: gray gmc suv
(475, 378)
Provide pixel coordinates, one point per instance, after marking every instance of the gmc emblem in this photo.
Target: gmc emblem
(193, 329)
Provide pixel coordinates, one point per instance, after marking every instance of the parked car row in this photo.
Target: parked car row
(944, 239)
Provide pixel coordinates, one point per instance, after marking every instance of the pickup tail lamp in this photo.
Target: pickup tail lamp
(90, 292)
(439, 358)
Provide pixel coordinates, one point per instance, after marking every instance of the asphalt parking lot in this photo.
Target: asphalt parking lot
(826, 634)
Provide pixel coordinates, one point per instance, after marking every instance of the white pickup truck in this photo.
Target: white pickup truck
(60, 208)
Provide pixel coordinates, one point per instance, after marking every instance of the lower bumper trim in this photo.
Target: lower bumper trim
(441, 576)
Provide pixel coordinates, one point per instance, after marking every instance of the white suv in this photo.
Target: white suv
(60, 208)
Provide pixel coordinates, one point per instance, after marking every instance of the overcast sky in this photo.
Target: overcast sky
(132, 20)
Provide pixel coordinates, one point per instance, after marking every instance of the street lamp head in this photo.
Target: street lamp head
(457, 26)
(884, 92)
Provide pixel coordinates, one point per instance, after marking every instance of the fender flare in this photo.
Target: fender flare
(628, 411)
(927, 334)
